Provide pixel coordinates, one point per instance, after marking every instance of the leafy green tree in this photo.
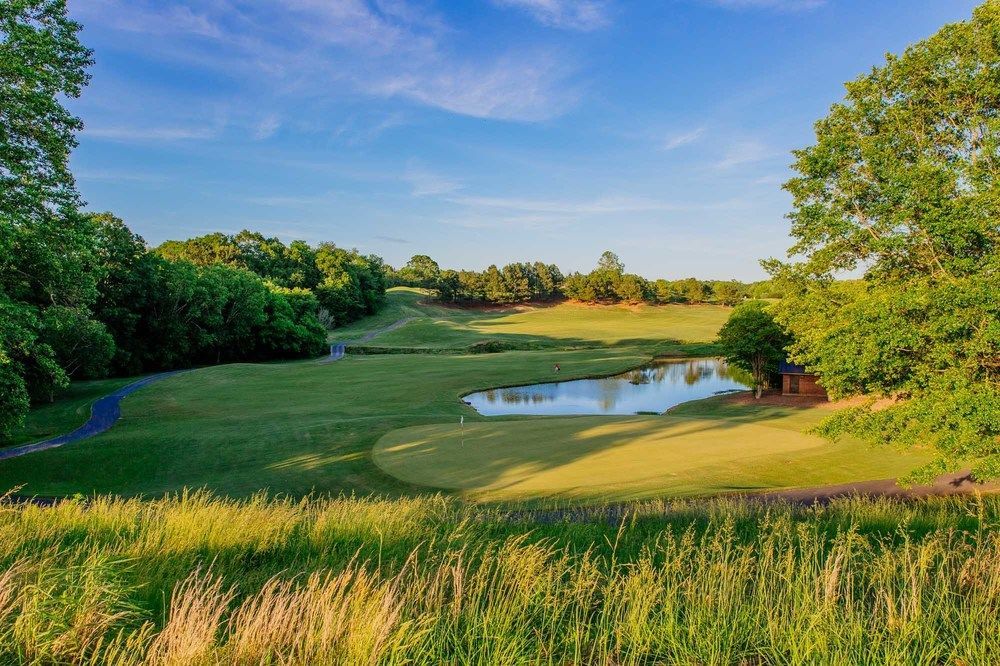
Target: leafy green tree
(495, 289)
(730, 292)
(550, 280)
(753, 341)
(610, 262)
(420, 271)
(631, 288)
(449, 286)
(471, 286)
(902, 184)
(82, 346)
(693, 290)
(45, 257)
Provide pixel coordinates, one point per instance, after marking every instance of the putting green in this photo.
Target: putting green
(622, 458)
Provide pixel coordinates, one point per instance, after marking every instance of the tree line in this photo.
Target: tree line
(524, 282)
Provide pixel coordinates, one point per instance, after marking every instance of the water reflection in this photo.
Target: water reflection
(653, 388)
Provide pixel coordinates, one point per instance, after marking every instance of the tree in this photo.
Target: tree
(730, 292)
(693, 290)
(495, 287)
(631, 288)
(753, 341)
(45, 257)
(420, 271)
(82, 346)
(610, 262)
(902, 184)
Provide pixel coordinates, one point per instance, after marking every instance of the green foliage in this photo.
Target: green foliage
(753, 341)
(83, 347)
(420, 271)
(45, 258)
(902, 183)
(347, 285)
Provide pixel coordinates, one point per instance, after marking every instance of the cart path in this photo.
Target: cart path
(338, 349)
(104, 413)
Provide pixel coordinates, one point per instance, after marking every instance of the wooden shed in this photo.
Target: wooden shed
(796, 381)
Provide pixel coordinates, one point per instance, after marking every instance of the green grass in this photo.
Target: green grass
(401, 303)
(293, 427)
(599, 458)
(306, 427)
(562, 325)
(199, 581)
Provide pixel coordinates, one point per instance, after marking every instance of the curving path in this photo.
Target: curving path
(103, 414)
(338, 349)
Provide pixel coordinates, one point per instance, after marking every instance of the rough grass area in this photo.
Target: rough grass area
(199, 581)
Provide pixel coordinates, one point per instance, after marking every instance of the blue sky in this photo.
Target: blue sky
(479, 132)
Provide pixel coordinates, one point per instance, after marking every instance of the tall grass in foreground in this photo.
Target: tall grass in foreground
(200, 580)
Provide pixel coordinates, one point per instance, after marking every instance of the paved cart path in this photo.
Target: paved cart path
(103, 414)
(338, 349)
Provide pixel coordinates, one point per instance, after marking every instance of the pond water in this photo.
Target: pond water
(653, 388)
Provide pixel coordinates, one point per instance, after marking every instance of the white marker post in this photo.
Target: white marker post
(461, 422)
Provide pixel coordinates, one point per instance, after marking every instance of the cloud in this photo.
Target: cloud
(393, 239)
(524, 88)
(111, 176)
(683, 139)
(745, 152)
(777, 5)
(427, 183)
(598, 206)
(128, 134)
(362, 130)
(266, 128)
(582, 15)
(288, 200)
(321, 49)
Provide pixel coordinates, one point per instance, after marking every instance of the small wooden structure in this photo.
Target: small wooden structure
(796, 381)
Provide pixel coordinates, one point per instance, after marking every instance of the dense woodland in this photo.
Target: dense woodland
(346, 284)
(524, 282)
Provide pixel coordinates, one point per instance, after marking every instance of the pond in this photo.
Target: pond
(652, 388)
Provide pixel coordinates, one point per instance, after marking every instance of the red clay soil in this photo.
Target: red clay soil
(949, 484)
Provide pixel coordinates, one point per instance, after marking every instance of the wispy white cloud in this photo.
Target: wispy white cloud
(745, 152)
(683, 138)
(128, 134)
(266, 128)
(319, 49)
(425, 182)
(583, 15)
(361, 130)
(597, 206)
(283, 200)
(516, 87)
(113, 176)
(777, 5)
